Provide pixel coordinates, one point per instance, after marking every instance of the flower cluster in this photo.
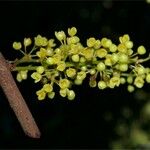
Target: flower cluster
(108, 65)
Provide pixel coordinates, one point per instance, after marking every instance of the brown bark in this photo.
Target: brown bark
(16, 100)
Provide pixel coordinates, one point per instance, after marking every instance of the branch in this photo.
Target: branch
(16, 100)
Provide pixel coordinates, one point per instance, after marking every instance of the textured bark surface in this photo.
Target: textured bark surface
(16, 100)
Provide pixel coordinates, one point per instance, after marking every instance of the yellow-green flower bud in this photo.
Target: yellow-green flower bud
(71, 72)
(88, 53)
(97, 44)
(81, 75)
(122, 48)
(78, 81)
(75, 58)
(130, 79)
(47, 88)
(60, 35)
(72, 31)
(40, 41)
(141, 50)
(129, 44)
(101, 66)
(114, 58)
(108, 60)
(124, 38)
(122, 80)
(61, 66)
(23, 74)
(106, 43)
(123, 67)
(41, 94)
(82, 59)
(40, 69)
(102, 85)
(63, 92)
(19, 77)
(130, 88)
(50, 61)
(113, 48)
(139, 82)
(51, 43)
(71, 94)
(114, 81)
(140, 70)
(36, 76)
(91, 42)
(51, 95)
(64, 83)
(123, 58)
(101, 53)
(92, 71)
(17, 45)
(27, 42)
(42, 53)
(92, 83)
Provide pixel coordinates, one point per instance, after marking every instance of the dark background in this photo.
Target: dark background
(84, 122)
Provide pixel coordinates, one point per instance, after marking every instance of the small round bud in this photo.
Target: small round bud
(130, 88)
(91, 42)
(18, 77)
(92, 71)
(139, 82)
(130, 79)
(123, 58)
(40, 69)
(141, 50)
(101, 53)
(51, 95)
(82, 59)
(75, 58)
(97, 44)
(92, 83)
(102, 85)
(78, 81)
(113, 48)
(140, 70)
(61, 66)
(64, 83)
(114, 57)
(23, 74)
(27, 42)
(63, 92)
(122, 80)
(84, 68)
(36, 76)
(81, 75)
(71, 94)
(17, 45)
(41, 94)
(123, 67)
(72, 31)
(129, 44)
(47, 88)
(60, 35)
(71, 72)
(101, 66)
(50, 61)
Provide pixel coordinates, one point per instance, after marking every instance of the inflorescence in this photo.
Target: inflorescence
(106, 64)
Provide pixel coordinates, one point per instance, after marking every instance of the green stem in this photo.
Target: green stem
(20, 68)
